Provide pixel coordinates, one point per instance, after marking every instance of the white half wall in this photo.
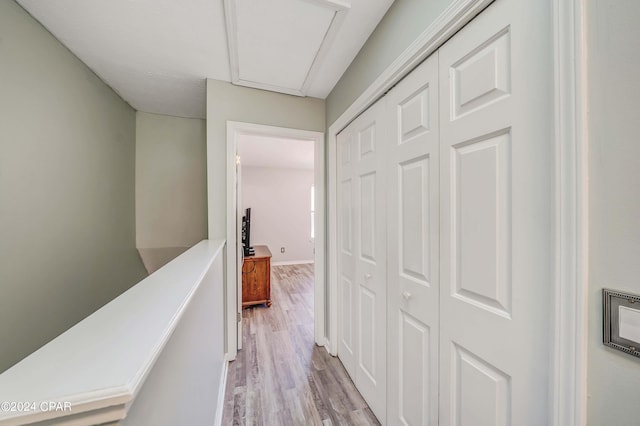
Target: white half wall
(280, 201)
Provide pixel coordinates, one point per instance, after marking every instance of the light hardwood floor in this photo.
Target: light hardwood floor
(281, 377)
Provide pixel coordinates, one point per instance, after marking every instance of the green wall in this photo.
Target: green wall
(402, 24)
(171, 181)
(171, 186)
(613, 56)
(67, 215)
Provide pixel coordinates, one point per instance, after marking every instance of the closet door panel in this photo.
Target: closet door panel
(346, 247)
(371, 258)
(495, 219)
(413, 219)
(362, 260)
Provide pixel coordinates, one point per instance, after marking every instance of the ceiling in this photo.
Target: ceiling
(157, 54)
(269, 151)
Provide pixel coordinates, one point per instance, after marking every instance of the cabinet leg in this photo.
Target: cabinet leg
(269, 303)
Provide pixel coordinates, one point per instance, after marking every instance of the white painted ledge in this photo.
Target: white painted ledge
(99, 365)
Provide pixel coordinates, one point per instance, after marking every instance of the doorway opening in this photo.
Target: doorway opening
(277, 173)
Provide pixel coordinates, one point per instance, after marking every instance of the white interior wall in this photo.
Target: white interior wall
(280, 201)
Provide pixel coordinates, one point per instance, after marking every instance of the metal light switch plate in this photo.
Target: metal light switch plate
(621, 321)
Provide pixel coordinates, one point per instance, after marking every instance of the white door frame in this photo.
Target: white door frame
(568, 388)
(569, 393)
(234, 130)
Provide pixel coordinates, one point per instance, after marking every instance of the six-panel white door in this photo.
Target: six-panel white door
(495, 217)
(362, 261)
(413, 242)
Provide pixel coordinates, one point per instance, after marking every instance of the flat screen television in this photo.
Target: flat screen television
(246, 233)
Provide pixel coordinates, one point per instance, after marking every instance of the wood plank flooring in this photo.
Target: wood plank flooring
(281, 377)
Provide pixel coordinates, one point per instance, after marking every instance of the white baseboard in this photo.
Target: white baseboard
(291, 262)
(327, 346)
(223, 385)
(322, 342)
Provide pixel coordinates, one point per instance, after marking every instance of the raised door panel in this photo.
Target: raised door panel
(483, 76)
(346, 216)
(482, 392)
(495, 219)
(414, 393)
(481, 223)
(367, 218)
(414, 219)
(347, 337)
(413, 274)
(367, 140)
(367, 361)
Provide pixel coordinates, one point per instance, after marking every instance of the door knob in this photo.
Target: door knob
(406, 295)
(367, 276)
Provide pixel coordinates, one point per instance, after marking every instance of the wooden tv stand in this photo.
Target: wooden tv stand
(256, 278)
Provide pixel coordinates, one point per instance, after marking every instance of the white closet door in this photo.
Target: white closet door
(496, 166)
(362, 233)
(346, 249)
(413, 255)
